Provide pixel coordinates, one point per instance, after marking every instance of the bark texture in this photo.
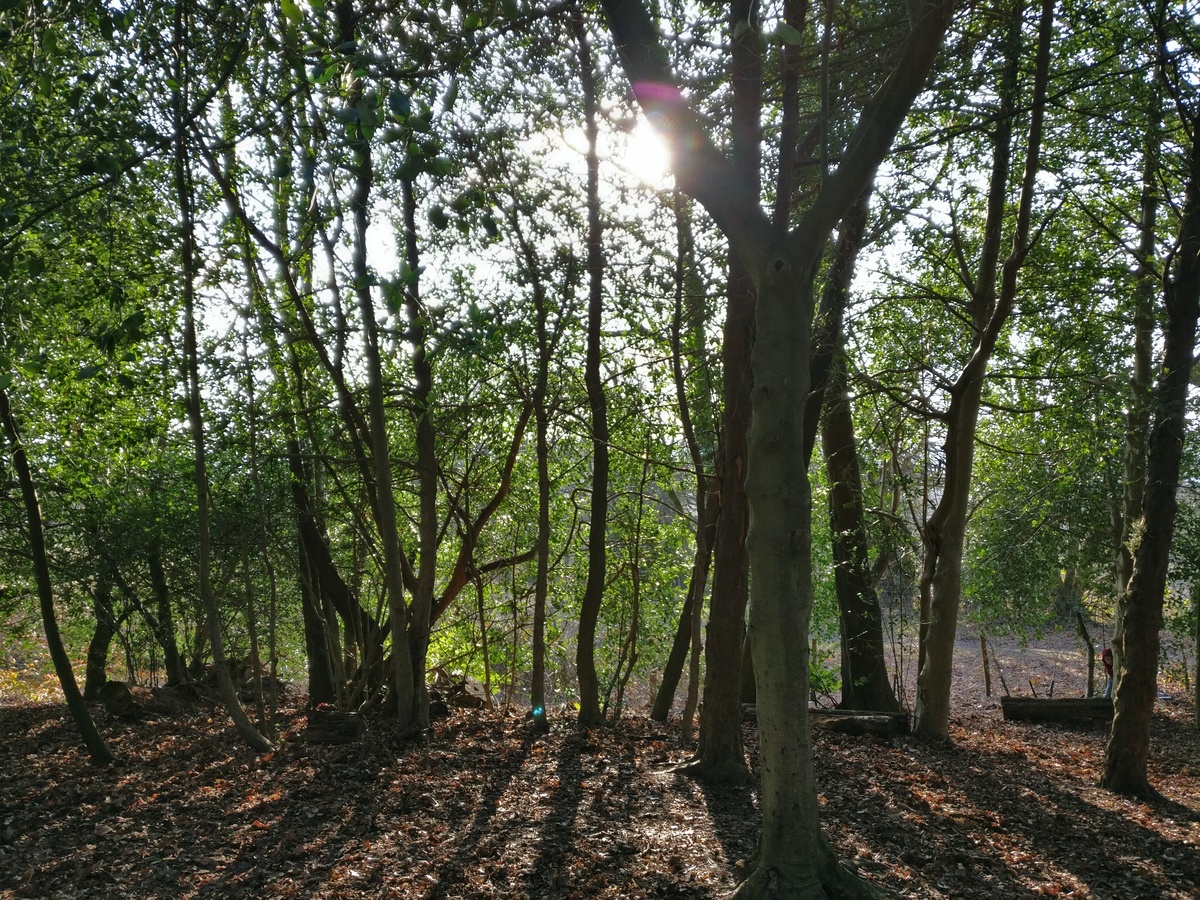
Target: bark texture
(1141, 604)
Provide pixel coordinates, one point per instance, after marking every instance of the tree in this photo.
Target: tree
(1141, 602)
(993, 294)
(593, 592)
(793, 859)
(185, 194)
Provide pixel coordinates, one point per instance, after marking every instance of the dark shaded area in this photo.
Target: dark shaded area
(489, 808)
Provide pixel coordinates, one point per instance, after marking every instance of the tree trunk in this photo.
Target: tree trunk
(793, 859)
(1141, 387)
(673, 670)
(1141, 604)
(184, 195)
(719, 754)
(865, 682)
(322, 686)
(427, 468)
(944, 534)
(410, 711)
(593, 594)
(541, 586)
(41, 570)
(102, 635)
(165, 630)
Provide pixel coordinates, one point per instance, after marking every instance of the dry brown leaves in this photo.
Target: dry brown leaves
(486, 809)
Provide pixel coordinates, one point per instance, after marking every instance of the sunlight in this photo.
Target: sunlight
(647, 157)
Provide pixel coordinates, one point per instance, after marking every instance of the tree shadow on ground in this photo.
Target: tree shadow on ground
(550, 873)
(1022, 822)
(477, 837)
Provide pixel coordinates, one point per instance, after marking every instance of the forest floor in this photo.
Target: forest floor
(485, 808)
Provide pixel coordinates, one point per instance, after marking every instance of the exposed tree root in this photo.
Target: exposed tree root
(726, 772)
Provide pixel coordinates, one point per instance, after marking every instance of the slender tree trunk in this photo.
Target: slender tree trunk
(719, 755)
(865, 683)
(41, 569)
(944, 534)
(1141, 385)
(541, 719)
(322, 687)
(593, 594)
(687, 634)
(427, 468)
(680, 646)
(1128, 749)
(410, 711)
(164, 625)
(185, 193)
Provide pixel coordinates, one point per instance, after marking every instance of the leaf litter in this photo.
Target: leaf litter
(488, 808)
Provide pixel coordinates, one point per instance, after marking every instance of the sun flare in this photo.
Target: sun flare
(647, 157)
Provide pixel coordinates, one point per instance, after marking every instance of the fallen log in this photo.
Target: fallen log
(860, 721)
(132, 701)
(334, 726)
(849, 721)
(1060, 710)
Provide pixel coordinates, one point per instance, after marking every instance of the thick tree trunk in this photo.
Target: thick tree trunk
(1141, 605)
(41, 570)
(793, 860)
(793, 851)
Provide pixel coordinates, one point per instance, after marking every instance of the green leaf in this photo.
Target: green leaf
(125, 381)
(451, 95)
(490, 226)
(292, 11)
(441, 165)
(133, 324)
(409, 276)
(35, 265)
(400, 104)
(438, 217)
(88, 372)
(789, 34)
(5, 380)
